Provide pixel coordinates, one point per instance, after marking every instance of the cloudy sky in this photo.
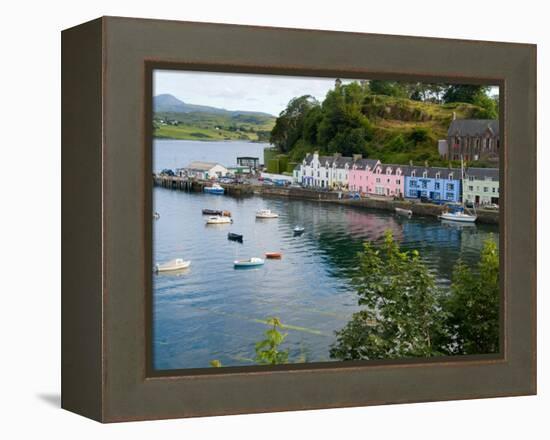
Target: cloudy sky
(263, 93)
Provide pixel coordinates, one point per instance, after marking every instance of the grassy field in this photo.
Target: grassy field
(212, 127)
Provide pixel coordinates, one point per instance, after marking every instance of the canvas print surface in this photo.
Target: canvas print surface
(299, 220)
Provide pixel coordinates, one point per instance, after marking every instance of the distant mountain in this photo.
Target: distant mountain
(167, 103)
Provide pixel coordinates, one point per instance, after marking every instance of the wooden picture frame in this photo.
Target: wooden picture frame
(106, 219)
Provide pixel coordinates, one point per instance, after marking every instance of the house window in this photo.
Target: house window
(485, 189)
(450, 186)
(424, 184)
(494, 190)
(412, 193)
(437, 185)
(413, 184)
(378, 180)
(470, 188)
(398, 181)
(388, 180)
(450, 196)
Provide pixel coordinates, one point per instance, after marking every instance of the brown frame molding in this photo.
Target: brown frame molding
(107, 66)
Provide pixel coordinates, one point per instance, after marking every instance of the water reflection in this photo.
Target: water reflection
(213, 311)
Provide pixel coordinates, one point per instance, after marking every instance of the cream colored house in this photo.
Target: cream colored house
(481, 186)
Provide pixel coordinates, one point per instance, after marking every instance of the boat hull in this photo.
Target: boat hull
(458, 218)
(172, 267)
(215, 191)
(246, 264)
(235, 237)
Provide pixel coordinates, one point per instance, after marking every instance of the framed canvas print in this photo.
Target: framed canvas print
(263, 219)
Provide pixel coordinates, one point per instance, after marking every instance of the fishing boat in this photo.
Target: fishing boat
(214, 189)
(172, 265)
(156, 215)
(298, 230)
(266, 213)
(459, 214)
(251, 262)
(274, 255)
(218, 220)
(235, 237)
(405, 212)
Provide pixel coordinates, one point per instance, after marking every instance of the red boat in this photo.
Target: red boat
(273, 255)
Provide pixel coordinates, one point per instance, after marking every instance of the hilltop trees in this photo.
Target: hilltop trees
(378, 118)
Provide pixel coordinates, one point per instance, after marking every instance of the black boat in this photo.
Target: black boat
(212, 212)
(235, 237)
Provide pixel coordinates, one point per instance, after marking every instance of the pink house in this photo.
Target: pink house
(369, 176)
(359, 174)
(387, 180)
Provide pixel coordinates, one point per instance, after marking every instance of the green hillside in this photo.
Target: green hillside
(352, 119)
(210, 126)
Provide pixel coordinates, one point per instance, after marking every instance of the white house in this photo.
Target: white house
(330, 172)
(203, 170)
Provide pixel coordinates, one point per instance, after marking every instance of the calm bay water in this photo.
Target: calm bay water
(212, 311)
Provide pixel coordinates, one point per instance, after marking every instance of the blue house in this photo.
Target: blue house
(438, 184)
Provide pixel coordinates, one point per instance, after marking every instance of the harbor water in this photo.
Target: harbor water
(212, 311)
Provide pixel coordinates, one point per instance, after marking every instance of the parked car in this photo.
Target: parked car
(491, 206)
(167, 172)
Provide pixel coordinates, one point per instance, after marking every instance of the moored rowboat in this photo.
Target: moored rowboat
(251, 262)
(273, 255)
(172, 265)
(218, 220)
(298, 230)
(235, 237)
(406, 212)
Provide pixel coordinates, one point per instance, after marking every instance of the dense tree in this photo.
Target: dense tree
(473, 305)
(389, 88)
(400, 316)
(473, 94)
(290, 123)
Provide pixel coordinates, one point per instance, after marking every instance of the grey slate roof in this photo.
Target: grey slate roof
(482, 173)
(473, 127)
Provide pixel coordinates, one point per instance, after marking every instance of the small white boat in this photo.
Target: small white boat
(214, 189)
(172, 265)
(266, 213)
(405, 212)
(156, 215)
(458, 216)
(251, 262)
(218, 220)
(299, 230)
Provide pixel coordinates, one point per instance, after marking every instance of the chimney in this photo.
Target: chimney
(357, 157)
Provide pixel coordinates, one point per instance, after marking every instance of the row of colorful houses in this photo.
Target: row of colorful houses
(370, 176)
